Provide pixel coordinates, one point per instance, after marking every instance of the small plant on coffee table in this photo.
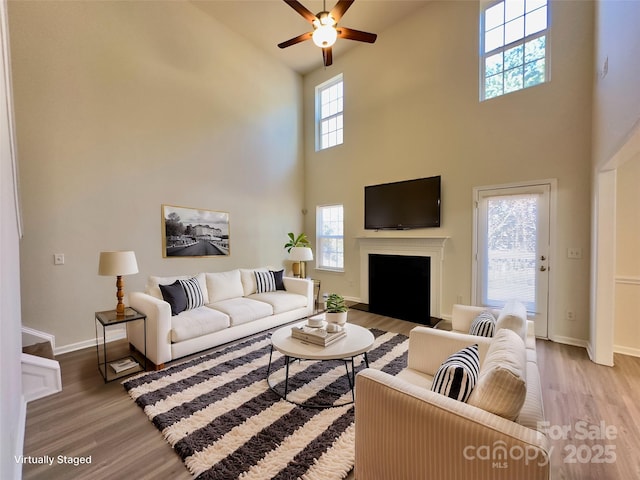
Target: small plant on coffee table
(336, 309)
(336, 303)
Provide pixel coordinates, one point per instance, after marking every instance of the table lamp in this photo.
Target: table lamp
(117, 264)
(301, 254)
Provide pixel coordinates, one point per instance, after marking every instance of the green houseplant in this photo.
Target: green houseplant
(299, 241)
(336, 309)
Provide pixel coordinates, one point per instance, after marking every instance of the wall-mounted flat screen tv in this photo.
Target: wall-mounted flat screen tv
(403, 205)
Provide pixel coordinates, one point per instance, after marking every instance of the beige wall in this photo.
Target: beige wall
(412, 110)
(616, 106)
(124, 106)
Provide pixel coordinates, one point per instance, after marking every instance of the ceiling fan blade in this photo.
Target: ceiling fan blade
(338, 11)
(327, 56)
(301, 9)
(294, 40)
(351, 34)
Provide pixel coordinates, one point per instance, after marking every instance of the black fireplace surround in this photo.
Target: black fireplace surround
(400, 287)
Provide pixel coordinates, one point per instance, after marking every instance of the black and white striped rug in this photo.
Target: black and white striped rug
(221, 417)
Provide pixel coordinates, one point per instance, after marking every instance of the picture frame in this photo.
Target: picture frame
(194, 232)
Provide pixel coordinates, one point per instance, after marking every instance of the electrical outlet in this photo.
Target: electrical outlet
(574, 253)
(571, 315)
(58, 258)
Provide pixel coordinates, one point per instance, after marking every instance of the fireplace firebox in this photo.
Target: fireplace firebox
(400, 287)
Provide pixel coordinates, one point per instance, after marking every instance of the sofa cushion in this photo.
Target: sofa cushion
(513, 316)
(175, 296)
(458, 374)
(501, 387)
(278, 277)
(248, 278)
(224, 285)
(265, 282)
(281, 301)
(193, 293)
(154, 282)
(483, 325)
(243, 310)
(197, 322)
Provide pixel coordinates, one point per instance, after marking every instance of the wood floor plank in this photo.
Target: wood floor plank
(92, 418)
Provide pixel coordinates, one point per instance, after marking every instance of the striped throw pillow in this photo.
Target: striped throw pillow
(458, 374)
(192, 289)
(483, 325)
(265, 282)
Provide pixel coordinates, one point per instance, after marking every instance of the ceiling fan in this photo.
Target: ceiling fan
(326, 29)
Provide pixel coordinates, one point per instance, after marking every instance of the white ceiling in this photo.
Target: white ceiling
(265, 23)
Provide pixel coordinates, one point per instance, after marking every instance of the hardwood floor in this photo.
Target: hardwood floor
(89, 418)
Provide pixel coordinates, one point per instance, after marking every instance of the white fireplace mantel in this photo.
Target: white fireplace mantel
(419, 246)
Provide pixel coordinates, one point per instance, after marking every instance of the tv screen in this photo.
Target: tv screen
(403, 205)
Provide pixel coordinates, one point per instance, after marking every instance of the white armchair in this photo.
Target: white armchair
(406, 431)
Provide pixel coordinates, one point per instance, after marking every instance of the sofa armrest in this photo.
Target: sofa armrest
(301, 286)
(158, 314)
(404, 431)
(429, 347)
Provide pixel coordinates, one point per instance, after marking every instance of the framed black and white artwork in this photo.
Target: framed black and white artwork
(194, 232)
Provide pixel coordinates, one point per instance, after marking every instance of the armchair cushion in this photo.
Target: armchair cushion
(513, 317)
(483, 325)
(501, 387)
(458, 374)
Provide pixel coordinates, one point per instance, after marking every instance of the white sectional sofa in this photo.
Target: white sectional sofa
(231, 308)
(404, 429)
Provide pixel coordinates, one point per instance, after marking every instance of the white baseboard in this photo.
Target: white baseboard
(576, 342)
(31, 336)
(634, 352)
(112, 335)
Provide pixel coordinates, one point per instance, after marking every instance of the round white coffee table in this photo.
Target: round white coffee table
(358, 341)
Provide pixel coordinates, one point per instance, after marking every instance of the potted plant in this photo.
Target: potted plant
(300, 241)
(336, 309)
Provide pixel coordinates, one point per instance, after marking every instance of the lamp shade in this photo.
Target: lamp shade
(301, 254)
(117, 263)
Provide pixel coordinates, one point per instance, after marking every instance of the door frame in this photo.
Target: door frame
(553, 197)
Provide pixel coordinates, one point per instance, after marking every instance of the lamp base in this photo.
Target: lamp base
(120, 295)
(303, 270)
(295, 268)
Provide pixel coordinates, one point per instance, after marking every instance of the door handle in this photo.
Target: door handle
(543, 258)
(543, 268)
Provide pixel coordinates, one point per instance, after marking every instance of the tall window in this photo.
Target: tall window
(513, 39)
(329, 106)
(330, 237)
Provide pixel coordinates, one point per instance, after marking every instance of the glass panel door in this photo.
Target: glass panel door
(513, 249)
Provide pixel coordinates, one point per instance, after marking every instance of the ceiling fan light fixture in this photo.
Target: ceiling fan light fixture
(325, 36)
